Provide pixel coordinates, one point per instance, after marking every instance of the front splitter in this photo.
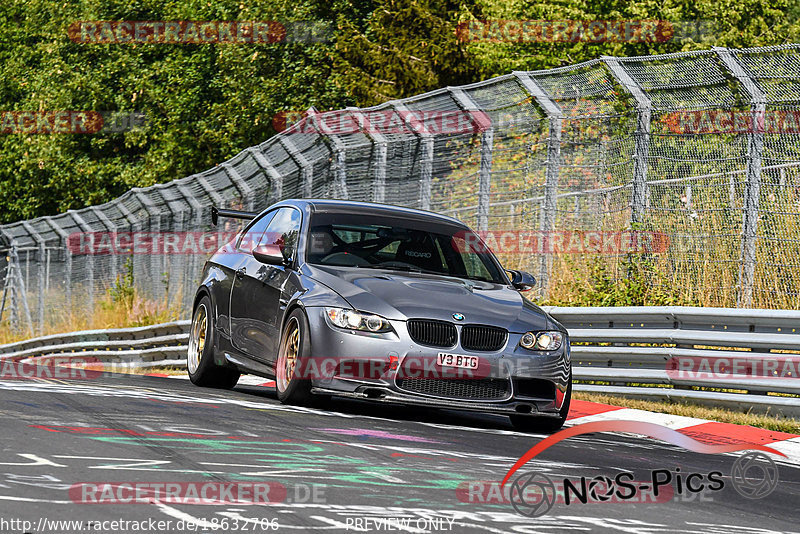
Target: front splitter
(377, 394)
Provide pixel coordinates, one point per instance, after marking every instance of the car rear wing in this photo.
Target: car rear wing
(216, 213)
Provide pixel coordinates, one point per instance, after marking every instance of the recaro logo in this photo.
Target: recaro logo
(415, 254)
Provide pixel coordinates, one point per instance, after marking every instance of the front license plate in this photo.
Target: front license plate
(457, 360)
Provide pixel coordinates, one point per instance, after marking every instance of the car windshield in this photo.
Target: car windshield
(393, 243)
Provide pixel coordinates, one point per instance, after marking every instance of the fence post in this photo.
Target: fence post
(197, 207)
(216, 198)
(240, 183)
(40, 241)
(67, 259)
(641, 137)
(6, 302)
(426, 143)
(547, 221)
(153, 220)
(380, 143)
(466, 103)
(4, 272)
(755, 147)
(168, 266)
(339, 153)
(379, 189)
(111, 227)
(427, 172)
(306, 168)
(188, 273)
(275, 178)
(14, 292)
(89, 257)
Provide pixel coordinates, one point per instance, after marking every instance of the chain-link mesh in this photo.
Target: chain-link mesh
(645, 143)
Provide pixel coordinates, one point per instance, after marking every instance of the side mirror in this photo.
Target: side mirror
(269, 255)
(521, 280)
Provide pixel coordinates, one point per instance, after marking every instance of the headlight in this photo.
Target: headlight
(542, 340)
(355, 320)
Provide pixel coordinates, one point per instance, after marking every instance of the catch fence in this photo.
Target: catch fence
(701, 148)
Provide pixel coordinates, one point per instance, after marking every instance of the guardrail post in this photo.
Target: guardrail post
(466, 103)
(547, 220)
(755, 147)
(641, 137)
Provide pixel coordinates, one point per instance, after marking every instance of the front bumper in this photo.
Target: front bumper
(535, 381)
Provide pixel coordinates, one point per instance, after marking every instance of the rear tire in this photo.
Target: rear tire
(293, 353)
(533, 423)
(203, 371)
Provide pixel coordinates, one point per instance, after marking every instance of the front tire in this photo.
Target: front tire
(532, 423)
(200, 356)
(293, 354)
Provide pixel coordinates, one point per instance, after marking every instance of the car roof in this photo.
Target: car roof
(325, 205)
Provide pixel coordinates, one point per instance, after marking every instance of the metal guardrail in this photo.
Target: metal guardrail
(632, 351)
(145, 346)
(712, 356)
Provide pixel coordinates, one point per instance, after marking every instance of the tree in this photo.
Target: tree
(405, 47)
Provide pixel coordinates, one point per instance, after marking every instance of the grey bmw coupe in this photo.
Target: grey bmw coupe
(377, 302)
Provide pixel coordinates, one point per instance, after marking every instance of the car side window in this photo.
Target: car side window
(283, 231)
(253, 232)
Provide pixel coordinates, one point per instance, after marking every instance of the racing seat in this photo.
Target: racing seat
(321, 244)
(420, 251)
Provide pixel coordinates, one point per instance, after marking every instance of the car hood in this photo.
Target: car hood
(401, 296)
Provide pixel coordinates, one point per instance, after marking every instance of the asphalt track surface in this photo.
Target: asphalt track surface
(374, 468)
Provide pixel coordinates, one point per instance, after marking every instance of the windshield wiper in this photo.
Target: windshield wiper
(407, 269)
(478, 279)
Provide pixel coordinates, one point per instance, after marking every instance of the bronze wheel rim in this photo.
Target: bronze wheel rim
(287, 358)
(197, 341)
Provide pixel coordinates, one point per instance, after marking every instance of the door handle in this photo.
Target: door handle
(241, 272)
